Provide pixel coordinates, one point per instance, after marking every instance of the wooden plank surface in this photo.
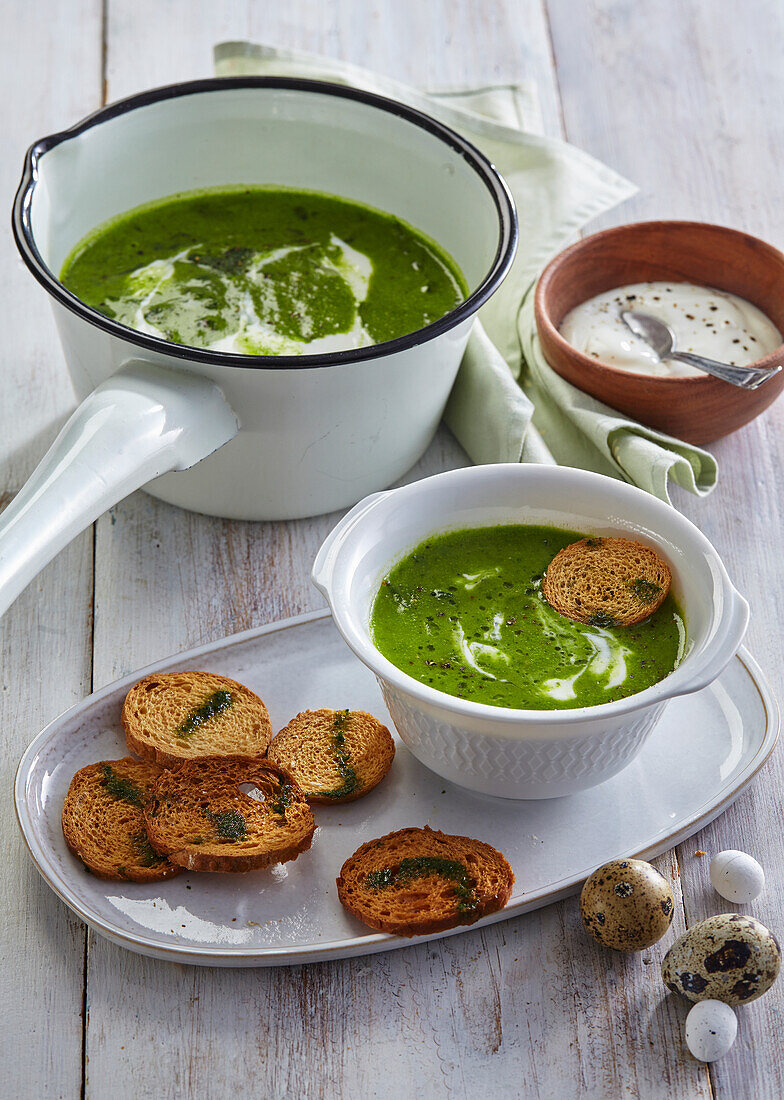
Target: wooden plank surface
(684, 104)
(46, 637)
(332, 1029)
(439, 1017)
(524, 1008)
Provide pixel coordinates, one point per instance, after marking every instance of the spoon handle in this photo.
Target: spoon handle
(748, 378)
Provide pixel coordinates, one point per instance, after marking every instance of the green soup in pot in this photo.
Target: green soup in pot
(264, 271)
(464, 613)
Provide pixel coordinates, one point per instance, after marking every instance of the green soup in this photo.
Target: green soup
(464, 613)
(264, 271)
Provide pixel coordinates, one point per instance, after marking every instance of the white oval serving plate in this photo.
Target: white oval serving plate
(706, 749)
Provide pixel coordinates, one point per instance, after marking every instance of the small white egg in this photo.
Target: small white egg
(737, 876)
(711, 1027)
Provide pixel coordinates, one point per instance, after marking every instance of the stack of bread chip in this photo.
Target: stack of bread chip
(214, 791)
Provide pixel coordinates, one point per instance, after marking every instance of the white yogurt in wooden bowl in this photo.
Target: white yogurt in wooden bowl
(705, 321)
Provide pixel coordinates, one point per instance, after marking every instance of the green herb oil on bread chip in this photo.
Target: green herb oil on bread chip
(120, 787)
(214, 704)
(229, 825)
(334, 755)
(170, 717)
(422, 867)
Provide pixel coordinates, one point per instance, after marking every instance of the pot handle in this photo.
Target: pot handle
(725, 646)
(141, 422)
(324, 564)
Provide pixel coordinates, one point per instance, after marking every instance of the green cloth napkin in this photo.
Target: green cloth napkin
(507, 404)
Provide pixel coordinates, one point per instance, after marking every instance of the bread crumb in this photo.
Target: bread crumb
(699, 853)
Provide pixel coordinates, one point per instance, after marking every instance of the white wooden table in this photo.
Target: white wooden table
(684, 98)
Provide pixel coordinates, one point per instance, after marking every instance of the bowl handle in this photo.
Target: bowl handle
(725, 646)
(141, 422)
(324, 564)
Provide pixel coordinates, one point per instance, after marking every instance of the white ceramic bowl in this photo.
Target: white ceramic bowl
(526, 753)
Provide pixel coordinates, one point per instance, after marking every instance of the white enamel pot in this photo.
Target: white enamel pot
(527, 753)
(268, 438)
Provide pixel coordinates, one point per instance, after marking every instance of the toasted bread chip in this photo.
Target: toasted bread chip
(171, 717)
(103, 821)
(417, 881)
(606, 581)
(334, 755)
(228, 813)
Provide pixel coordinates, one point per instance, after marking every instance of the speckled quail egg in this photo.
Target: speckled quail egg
(730, 958)
(711, 1027)
(737, 876)
(627, 905)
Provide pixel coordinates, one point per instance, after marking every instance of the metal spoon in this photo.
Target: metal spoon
(661, 338)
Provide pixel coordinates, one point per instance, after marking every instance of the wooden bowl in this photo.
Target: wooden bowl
(697, 410)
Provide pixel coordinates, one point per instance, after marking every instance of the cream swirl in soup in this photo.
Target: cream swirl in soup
(705, 321)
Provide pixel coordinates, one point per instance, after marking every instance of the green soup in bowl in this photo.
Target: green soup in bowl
(464, 613)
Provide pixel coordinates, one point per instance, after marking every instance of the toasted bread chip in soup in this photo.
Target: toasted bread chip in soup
(171, 717)
(334, 755)
(103, 821)
(228, 813)
(418, 881)
(606, 581)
